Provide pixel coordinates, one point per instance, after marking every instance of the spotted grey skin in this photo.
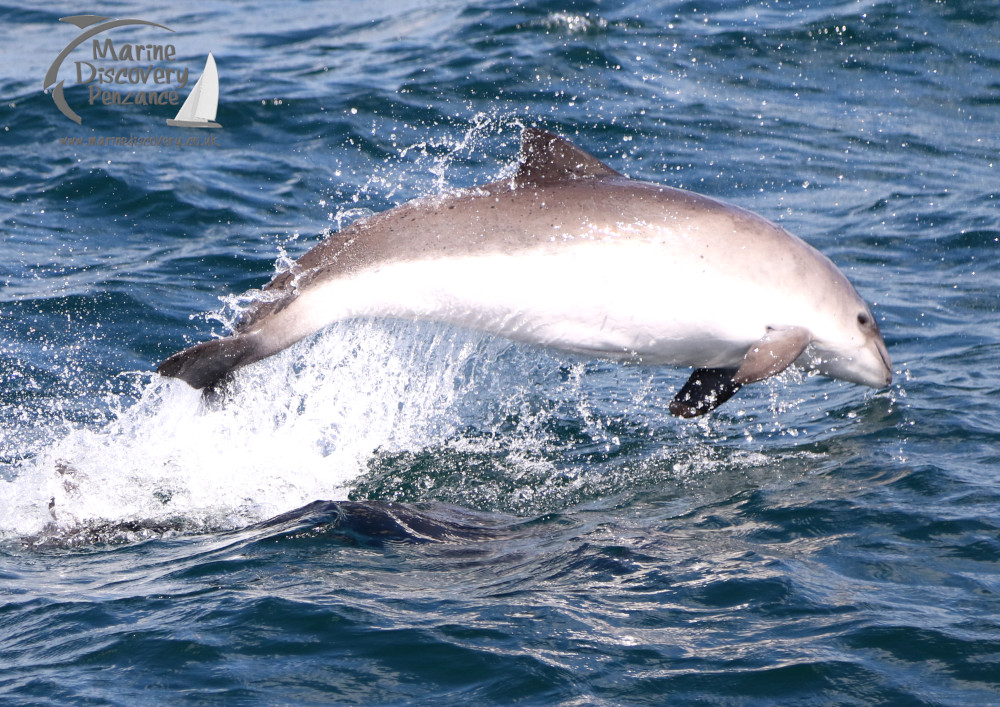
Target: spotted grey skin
(568, 253)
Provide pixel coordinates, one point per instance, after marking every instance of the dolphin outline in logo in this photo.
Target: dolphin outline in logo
(83, 21)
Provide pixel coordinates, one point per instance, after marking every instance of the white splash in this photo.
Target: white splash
(293, 429)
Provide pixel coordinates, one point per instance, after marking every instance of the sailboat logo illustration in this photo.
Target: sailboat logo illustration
(198, 111)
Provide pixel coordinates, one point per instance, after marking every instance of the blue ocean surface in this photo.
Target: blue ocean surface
(394, 512)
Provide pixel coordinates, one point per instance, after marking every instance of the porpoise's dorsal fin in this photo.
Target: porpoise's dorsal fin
(546, 157)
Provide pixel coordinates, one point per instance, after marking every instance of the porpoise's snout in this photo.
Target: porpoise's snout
(865, 364)
(871, 366)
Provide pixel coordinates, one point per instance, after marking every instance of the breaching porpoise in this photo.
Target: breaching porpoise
(568, 253)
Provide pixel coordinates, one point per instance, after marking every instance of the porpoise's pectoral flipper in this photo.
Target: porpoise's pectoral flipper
(705, 390)
(775, 352)
(206, 364)
(708, 388)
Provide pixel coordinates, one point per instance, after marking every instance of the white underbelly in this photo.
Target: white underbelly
(625, 302)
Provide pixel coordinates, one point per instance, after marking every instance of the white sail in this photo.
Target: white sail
(199, 109)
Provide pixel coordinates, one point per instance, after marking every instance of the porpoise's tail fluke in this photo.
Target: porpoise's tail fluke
(206, 364)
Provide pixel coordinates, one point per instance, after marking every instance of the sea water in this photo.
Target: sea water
(392, 512)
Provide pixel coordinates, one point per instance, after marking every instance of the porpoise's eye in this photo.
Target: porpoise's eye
(864, 320)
